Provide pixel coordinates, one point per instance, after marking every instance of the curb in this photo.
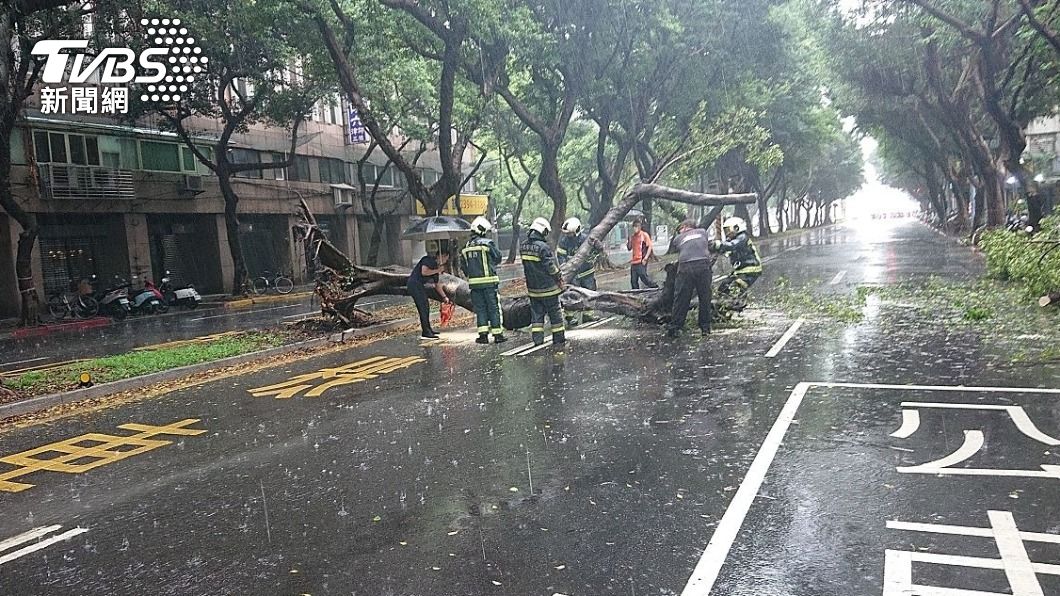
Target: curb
(43, 402)
(41, 330)
(279, 298)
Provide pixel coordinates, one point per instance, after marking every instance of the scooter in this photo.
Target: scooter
(186, 296)
(114, 301)
(148, 301)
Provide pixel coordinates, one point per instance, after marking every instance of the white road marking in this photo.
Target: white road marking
(530, 347)
(838, 278)
(41, 545)
(910, 424)
(710, 563)
(248, 312)
(27, 536)
(957, 388)
(304, 314)
(1018, 415)
(973, 442)
(24, 361)
(784, 339)
(1018, 567)
(968, 531)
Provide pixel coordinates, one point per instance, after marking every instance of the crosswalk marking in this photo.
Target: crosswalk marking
(530, 348)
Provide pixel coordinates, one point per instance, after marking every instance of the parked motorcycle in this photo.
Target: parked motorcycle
(185, 296)
(148, 301)
(114, 300)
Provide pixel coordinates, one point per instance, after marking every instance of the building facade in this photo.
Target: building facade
(121, 200)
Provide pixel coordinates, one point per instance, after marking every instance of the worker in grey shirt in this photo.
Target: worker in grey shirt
(694, 267)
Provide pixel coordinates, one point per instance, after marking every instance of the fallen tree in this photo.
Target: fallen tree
(342, 283)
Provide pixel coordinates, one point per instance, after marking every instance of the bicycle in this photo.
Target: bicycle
(281, 283)
(67, 304)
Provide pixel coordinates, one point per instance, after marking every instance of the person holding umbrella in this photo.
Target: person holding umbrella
(423, 279)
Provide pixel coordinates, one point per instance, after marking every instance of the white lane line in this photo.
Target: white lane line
(24, 361)
(41, 545)
(838, 278)
(710, 563)
(305, 314)
(784, 339)
(248, 312)
(27, 536)
(530, 347)
(1018, 567)
(936, 388)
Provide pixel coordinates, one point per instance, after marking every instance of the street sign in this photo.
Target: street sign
(470, 206)
(356, 132)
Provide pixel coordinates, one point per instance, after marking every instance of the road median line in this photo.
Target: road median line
(784, 339)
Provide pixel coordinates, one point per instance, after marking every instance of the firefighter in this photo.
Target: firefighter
(479, 259)
(569, 243)
(544, 283)
(743, 254)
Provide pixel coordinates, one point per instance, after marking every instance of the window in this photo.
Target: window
(275, 173)
(162, 157)
(385, 175)
(299, 171)
(241, 156)
(187, 159)
(332, 171)
(57, 147)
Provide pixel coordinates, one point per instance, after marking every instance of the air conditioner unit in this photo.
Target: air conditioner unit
(191, 183)
(343, 197)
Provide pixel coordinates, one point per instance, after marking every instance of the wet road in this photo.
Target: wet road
(452, 469)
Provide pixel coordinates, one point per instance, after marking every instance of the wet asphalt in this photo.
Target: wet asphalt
(607, 468)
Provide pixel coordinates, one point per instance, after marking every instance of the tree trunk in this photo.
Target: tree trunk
(235, 244)
(30, 303)
(549, 181)
(372, 258)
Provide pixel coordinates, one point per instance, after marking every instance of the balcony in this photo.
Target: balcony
(61, 181)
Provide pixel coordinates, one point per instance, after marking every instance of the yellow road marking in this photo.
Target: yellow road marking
(355, 372)
(79, 456)
(38, 368)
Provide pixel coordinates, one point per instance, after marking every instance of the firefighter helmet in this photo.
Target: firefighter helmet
(733, 226)
(572, 226)
(541, 226)
(481, 226)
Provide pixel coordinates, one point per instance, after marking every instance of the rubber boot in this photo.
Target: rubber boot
(539, 337)
(499, 338)
(482, 339)
(559, 338)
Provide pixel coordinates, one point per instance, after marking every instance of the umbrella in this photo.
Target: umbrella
(438, 227)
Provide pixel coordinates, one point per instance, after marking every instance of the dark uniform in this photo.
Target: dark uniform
(543, 287)
(694, 269)
(479, 259)
(746, 264)
(568, 246)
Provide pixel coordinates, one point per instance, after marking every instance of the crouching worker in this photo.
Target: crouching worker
(743, 255)
(544, 283)
(479, 259)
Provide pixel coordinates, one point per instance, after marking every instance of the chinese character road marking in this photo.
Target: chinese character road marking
(354, 372)
(89, 451)
(973, 442)
(1022, 574)
(34, 534)
(911, 419)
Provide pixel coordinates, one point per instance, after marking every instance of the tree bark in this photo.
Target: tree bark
(235, 243)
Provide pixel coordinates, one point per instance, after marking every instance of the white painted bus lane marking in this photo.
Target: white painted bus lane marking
(784, 339)
(838, 278)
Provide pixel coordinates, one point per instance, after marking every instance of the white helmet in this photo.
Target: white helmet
(541, 226)
(572, 226)
(481, 226)
(734, 225)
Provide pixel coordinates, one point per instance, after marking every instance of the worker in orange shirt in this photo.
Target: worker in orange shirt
(640, 244)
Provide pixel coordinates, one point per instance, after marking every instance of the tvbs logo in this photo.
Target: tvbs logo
(164, 69)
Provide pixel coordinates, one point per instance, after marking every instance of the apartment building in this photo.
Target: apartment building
(128, 200)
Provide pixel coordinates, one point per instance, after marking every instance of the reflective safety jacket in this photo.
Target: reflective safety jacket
(539, 266)
(743, 254)
(479, 259)
(569, 245)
